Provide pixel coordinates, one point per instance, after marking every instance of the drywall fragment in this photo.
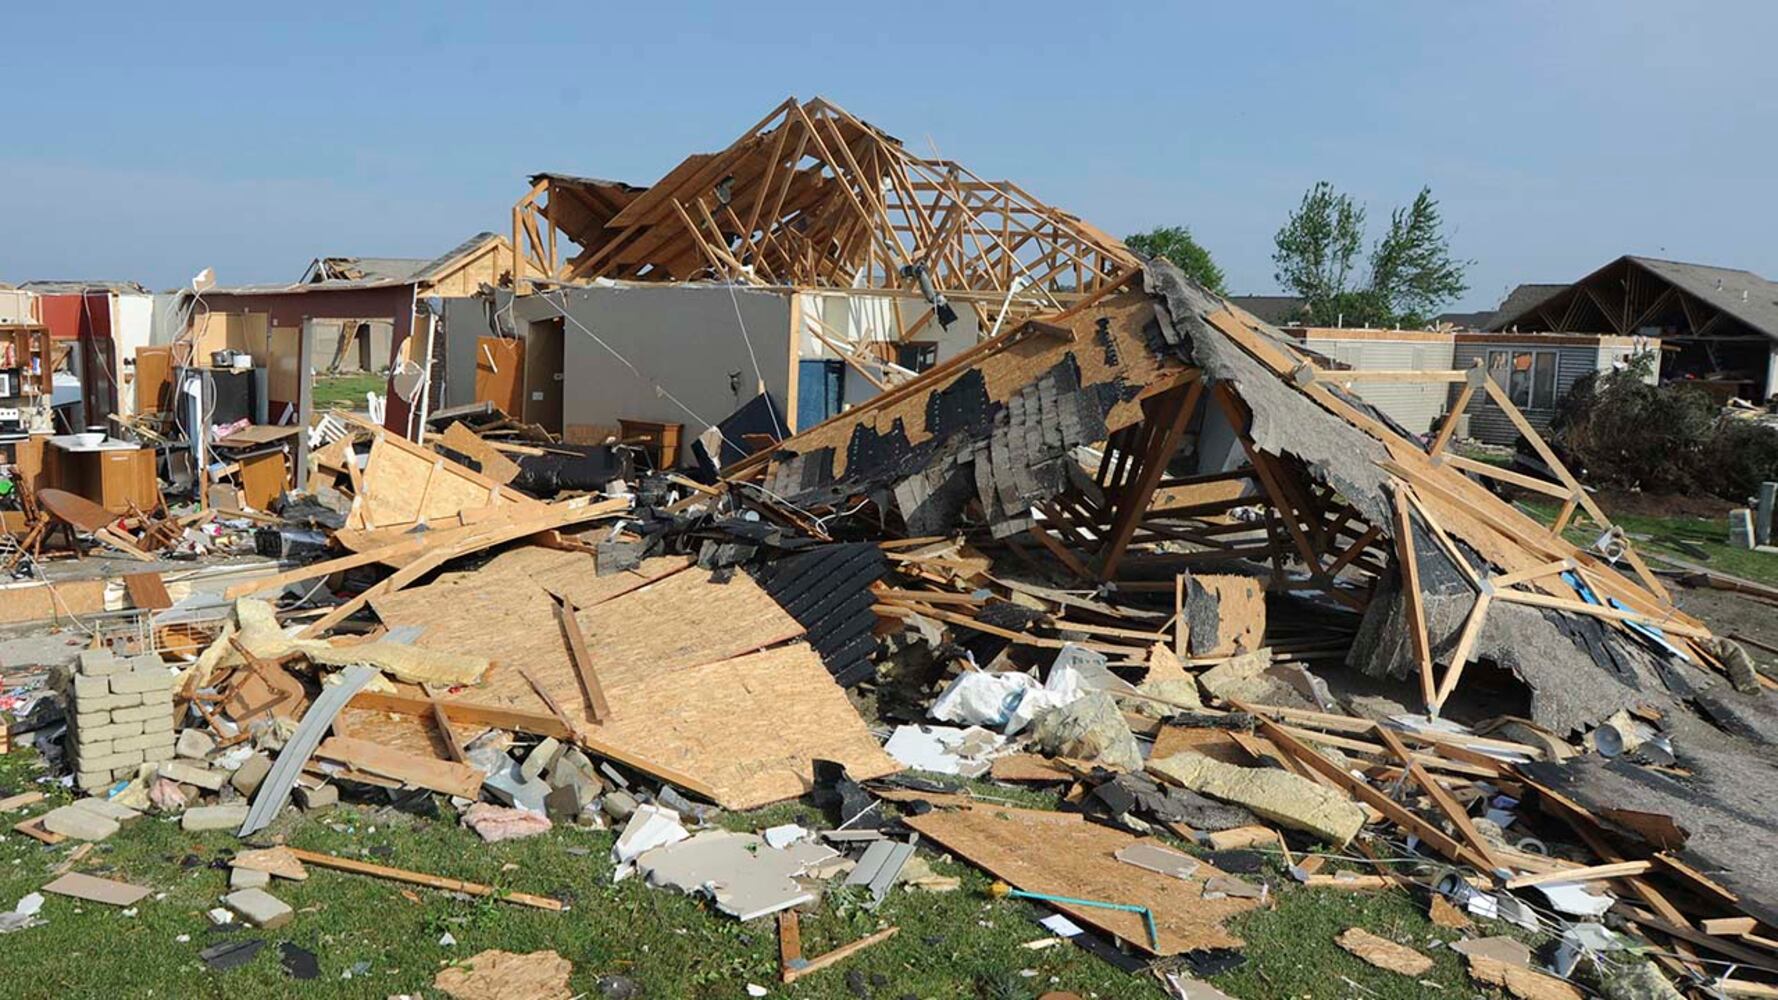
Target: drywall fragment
(1499, 949)
(97, 890)
(944, 749)
(1276, 795)
(1156, 858)
(650, 826)
(744, 877)
(1383, 953)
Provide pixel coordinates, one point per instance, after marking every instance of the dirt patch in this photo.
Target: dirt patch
(1639, 504)
(1727, 613)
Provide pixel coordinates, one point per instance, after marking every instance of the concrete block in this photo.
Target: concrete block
(85, 687)
(195, 744)
(101, 663)
(247, 878)
(511, 787)
(107, 732)
(258, 907)
(91, 720)
(311, 799)
(252, 771)
(200, 818)
(92, 781)
(619, 804)
(160, 722)
(566, 802)
(142, 713)
(140, 681)
(109, 702)
(112, 761)
(187, 773)
(81, 824)
(540, 758)
(143, 742)
(108, 809)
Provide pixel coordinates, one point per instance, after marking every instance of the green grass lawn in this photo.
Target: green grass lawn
(346, 391)
(958, 944)
(1658, 535)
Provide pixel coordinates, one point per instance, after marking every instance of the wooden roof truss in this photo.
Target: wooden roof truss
(814, 197)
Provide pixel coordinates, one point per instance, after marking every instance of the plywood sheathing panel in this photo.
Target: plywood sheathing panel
(664, 642)
(750, 727)
(404, 483)
(1064, 855)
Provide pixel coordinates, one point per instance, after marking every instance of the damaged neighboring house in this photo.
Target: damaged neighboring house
(816, 261)
(361, 313)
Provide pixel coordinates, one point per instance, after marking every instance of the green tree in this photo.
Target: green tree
(1411, 271)
(1177, 245)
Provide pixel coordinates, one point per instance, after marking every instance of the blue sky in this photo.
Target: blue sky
(145, 143)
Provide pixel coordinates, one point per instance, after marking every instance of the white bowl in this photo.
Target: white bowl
(89, 439)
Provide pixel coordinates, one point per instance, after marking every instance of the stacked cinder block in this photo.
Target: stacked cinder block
(120, 714)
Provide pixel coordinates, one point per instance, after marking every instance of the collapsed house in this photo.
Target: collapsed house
(1138, 545)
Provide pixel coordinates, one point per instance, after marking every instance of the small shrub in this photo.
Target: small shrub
(1628, 434)
(1742, 455)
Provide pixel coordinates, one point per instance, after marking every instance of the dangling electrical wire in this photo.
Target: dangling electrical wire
(655, 383)
(736, 302)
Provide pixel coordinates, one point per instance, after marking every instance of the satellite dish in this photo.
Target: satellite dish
(204, 280)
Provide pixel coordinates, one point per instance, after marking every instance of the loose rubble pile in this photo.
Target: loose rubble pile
(1142, 553)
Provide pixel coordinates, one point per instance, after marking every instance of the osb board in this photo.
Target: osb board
(494, 465)
(1201, 493)
(397, 479)
(410, 733)
(1216, 744)
(749, 727)
(1028, 768)
(1062, 854)
(572, 574)
(1007, 369)
(1240, 612)
(43, 601)
(681, 621)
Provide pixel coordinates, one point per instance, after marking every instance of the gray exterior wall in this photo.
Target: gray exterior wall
(683, 337)
(1488, 423)
(1414, 406)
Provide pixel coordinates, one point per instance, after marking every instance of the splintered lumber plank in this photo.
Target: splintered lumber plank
(1412, 598)
(1593, 873)
(840, 954)
(1466, 640)
(597, 707)
(147, 591)
(549, 700)
(556, 516)
(1434, 837)
(493, 716)
(1733, 926)
(452, 747)
(790, 943)
(1458, 816)
(320, 860)
(449, 777)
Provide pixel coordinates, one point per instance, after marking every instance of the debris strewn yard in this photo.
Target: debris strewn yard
(829, 572)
